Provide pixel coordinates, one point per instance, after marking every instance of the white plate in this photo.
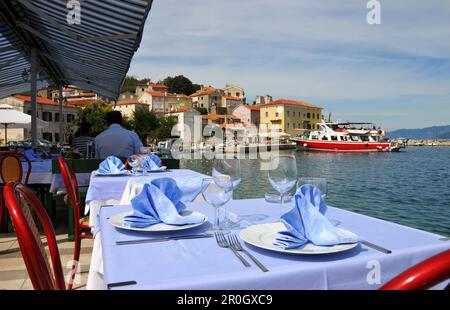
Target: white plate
(264, 235)
(117, 221)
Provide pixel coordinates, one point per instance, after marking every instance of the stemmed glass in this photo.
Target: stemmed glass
(217, 192)
(283, 175)
(322, 185)
(229, 167)
(135, 163)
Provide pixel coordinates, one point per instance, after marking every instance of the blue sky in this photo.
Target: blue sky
(396, 74)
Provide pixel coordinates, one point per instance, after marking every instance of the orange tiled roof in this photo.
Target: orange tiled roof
(158, 85)
(41, 100)
(208, 91)
(290, 102)
(252, 107)
(180, 110)
(156, 93)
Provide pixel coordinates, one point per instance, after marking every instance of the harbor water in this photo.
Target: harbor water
(411, 187)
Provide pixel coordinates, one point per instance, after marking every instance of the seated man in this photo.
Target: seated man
(116, 140)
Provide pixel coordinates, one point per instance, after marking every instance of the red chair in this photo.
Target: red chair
(424, 275)
(44, 274)
(11, 170)
(81, 225)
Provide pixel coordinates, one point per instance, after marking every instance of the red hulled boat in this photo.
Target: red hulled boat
(347, 137)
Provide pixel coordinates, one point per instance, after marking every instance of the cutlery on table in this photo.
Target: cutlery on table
(223, 243)
(236, 245)
(118, 284)
(376, 247)
(161, 239)
(445, 239)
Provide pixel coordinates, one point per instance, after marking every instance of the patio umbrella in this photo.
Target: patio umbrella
(12, 118)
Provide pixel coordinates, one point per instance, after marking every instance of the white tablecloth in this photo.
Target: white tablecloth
(201, 264)
(111, 190)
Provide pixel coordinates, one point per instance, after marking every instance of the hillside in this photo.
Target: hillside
(429, 133)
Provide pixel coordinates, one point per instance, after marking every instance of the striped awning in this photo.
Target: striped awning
(92, 53)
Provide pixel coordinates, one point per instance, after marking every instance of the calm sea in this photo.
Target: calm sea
(411, 187)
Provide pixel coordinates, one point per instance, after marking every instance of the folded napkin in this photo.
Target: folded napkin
(159, 201)
(111, 165)
(31, 155)
(306, 222)
(150, 162)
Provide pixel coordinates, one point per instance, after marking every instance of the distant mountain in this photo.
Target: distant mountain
(429, 133)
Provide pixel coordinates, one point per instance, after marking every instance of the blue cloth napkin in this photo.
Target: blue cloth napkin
(31, 155)
(306, 222)
(160, 201)
(150, 162)
(111, 165)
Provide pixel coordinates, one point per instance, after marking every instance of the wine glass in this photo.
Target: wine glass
(217, 192)
(230, 167)
(283, 175)
(322, 185)
(135, 163)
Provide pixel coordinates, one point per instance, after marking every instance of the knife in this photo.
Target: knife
(376, 247)
(151, 240)
(117, 284)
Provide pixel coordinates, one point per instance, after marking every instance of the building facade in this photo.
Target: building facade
(234, 91)
(230, 103)
(47, 110)
(128, 107)
(178, 101)
(249, 115)
(156, 100)
(188, 119)
(290, 116)
(263, 99)
(209, 98)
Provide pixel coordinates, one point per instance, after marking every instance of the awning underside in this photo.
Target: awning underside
(94, 55)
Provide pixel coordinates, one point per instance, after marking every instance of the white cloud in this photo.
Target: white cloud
(320, 50)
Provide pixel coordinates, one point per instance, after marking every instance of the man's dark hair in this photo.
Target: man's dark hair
(114, 117)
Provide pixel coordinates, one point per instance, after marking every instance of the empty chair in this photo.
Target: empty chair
(11, 170)
(424, 275)
(81, 225)
(45, 273)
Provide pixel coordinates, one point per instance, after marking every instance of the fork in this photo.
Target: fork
(236, 245)
(223, 243)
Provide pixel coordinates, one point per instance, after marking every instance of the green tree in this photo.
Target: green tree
(164, 129)
(180, 85)
(130, 83)
(95, 115)
(144, 123)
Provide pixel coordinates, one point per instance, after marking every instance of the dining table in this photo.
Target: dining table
(109, 190)
(120, 263)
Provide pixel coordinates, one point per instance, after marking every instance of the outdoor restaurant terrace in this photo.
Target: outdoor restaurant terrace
(145, 222)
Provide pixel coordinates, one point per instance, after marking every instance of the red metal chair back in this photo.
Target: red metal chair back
(424, 275)
(11, 169)
(71, 184)
(20, 202)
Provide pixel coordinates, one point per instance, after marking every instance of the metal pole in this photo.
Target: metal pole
(33, 97)
(6, 134)
(61, 117)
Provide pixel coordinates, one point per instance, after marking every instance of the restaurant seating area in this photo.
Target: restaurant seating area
(130, 214)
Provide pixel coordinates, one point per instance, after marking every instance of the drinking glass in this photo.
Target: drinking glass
(283, 175)
(229, 167)
(322, 185)
(135, 163)
(217, 192)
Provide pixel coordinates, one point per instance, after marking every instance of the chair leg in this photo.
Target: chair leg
(76, 259)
